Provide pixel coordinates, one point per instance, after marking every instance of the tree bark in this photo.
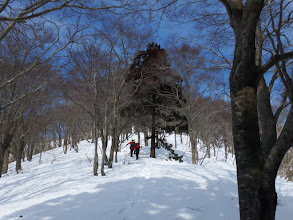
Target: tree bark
(2, 152)
(175, 140)
(104, 156)
(247, 150)
(244, 79)
(138, 136)
(30, 151)
(153, 137)
(115, 135)
(268, 195)
(5, 162)
(267, 192)
(193, 143)
(3, 147)
(65, 147)
(96, 156)
(208, 145)
(267, 119)
(19, 153)
(146, 137)
(226, 148)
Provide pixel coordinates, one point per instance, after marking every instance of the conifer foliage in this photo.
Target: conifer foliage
(156, 90)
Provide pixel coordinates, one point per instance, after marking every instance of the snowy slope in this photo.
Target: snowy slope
(63, 187)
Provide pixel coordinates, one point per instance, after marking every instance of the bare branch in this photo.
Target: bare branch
(274, 59)
(4, 5)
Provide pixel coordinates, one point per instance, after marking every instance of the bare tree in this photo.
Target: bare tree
(257, 162)
(12, 13)
(87, 87)
(257, 165)
(199, 80)
(124, 39)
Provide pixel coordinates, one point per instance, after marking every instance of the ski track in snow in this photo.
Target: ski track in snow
(63, 187)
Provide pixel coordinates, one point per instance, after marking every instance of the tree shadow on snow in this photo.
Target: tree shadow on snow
(142, 198)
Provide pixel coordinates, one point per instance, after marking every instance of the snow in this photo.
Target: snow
(63, 187)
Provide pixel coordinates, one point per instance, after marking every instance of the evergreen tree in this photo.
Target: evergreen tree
(156, 90)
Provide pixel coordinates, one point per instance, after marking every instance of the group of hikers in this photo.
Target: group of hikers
(134, 147)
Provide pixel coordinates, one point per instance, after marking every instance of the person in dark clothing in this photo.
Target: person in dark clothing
(132, 144)
(136, 149)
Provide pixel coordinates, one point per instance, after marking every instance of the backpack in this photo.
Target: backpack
(132, 145)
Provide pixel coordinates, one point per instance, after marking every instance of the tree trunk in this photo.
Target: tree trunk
(104, 137)
(175, 140)
(96, 156)
(2, 152)
(30, 151)
(193, 143)
(226, 148)
(19, 153)
(5, 162)
(104, 156)
(116, 154)
(153, 138)
(243, 88)
(113, 149)
(267, 119)
(208, 145)
(157, 139)
(138, 136)
(267, 193)
(74, 142)
(115, 135)
(268, 196)
(59, 139)
(194, 153)
(3, 147)
(146, 137)
(247, 150)
(244, 79)
(65, 142)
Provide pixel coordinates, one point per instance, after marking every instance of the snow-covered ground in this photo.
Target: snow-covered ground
(63, 187)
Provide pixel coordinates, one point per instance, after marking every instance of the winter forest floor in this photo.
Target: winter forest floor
(63, 187)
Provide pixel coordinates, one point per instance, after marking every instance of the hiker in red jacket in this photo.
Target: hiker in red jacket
(136, 149)
(132, 144)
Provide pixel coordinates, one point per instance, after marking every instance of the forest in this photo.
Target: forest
(219, 71)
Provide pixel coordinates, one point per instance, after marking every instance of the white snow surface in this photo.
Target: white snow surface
(63, 187)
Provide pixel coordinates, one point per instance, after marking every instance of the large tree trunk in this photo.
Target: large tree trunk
(244, 79)
(247, 148)
(243, 87)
